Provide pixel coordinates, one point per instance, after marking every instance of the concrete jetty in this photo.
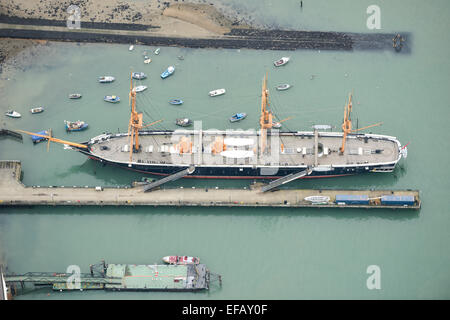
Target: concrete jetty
(14, 193)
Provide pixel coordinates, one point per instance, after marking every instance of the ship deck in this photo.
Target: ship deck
(292, 149)
(157, 277)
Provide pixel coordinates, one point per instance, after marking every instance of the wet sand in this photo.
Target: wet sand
(193, 19)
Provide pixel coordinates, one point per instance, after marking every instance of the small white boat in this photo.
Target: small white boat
(13, 114)
(37, 110)
(139, 75)
(318, 199)
(139, 88)
(181, 260)
(106, 79)
(283, 87)
(217, 92)
(281, 62)
(131, 48)
(112, 99)
(74, 96)
(157, 51)
(147, 61)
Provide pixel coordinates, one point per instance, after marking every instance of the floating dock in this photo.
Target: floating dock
(125, 277)
(14, 193)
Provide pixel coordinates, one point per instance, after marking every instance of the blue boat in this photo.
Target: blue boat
(37, 139)
(238, 117)
(112, 99)
(176, 101)
(170, 70)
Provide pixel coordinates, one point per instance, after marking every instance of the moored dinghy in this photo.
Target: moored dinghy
(238, 117)
(217, 92)
(183, 122)
(281, 62)
(37, 110)
(106, 79)
(112, 99)
(139, 75)
(283, 87)
(13, 114)
(169, 71)
(157, 51)
(74, 96)
(75, 125)
(176, 101)
(181, 260)
(140, 88)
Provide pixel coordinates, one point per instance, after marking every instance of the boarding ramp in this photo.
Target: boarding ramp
(286, 179)
(172, 177)
(50, 278)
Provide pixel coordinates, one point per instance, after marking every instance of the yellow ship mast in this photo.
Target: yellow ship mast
(265, 120)
(347, 124)
(135, 123)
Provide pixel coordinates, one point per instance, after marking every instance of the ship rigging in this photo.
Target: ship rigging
(267, 153)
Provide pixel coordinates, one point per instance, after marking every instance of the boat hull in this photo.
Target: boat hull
(145, 163)
(228, 172)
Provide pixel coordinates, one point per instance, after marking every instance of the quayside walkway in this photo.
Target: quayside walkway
(14, 193)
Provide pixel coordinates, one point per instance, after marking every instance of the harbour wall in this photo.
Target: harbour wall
(14, 193)
(237, 38)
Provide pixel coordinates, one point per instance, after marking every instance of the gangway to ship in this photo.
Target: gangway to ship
(286, 179)
(172, 177)
(49, 278)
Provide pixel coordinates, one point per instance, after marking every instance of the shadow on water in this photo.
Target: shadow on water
(336, 213)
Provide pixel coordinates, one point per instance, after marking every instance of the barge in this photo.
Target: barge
(125, 277)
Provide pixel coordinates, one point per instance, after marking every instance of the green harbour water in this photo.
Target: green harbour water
(260, 253)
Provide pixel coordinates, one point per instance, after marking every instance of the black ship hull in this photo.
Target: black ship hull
(234, 172)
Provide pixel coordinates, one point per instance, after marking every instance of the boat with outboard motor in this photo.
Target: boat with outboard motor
(183, 122)
(140, 88)
(36, 110)
(74, 96)
(139, 75)
(238, 117)
(168, 72)
(106, 79)
(217, 92)
(12, 114)
(281, 62)
(112, 99)
(75, 125)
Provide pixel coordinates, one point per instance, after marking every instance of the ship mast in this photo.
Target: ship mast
(135, 123)
(347, 124)
(265, 120)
